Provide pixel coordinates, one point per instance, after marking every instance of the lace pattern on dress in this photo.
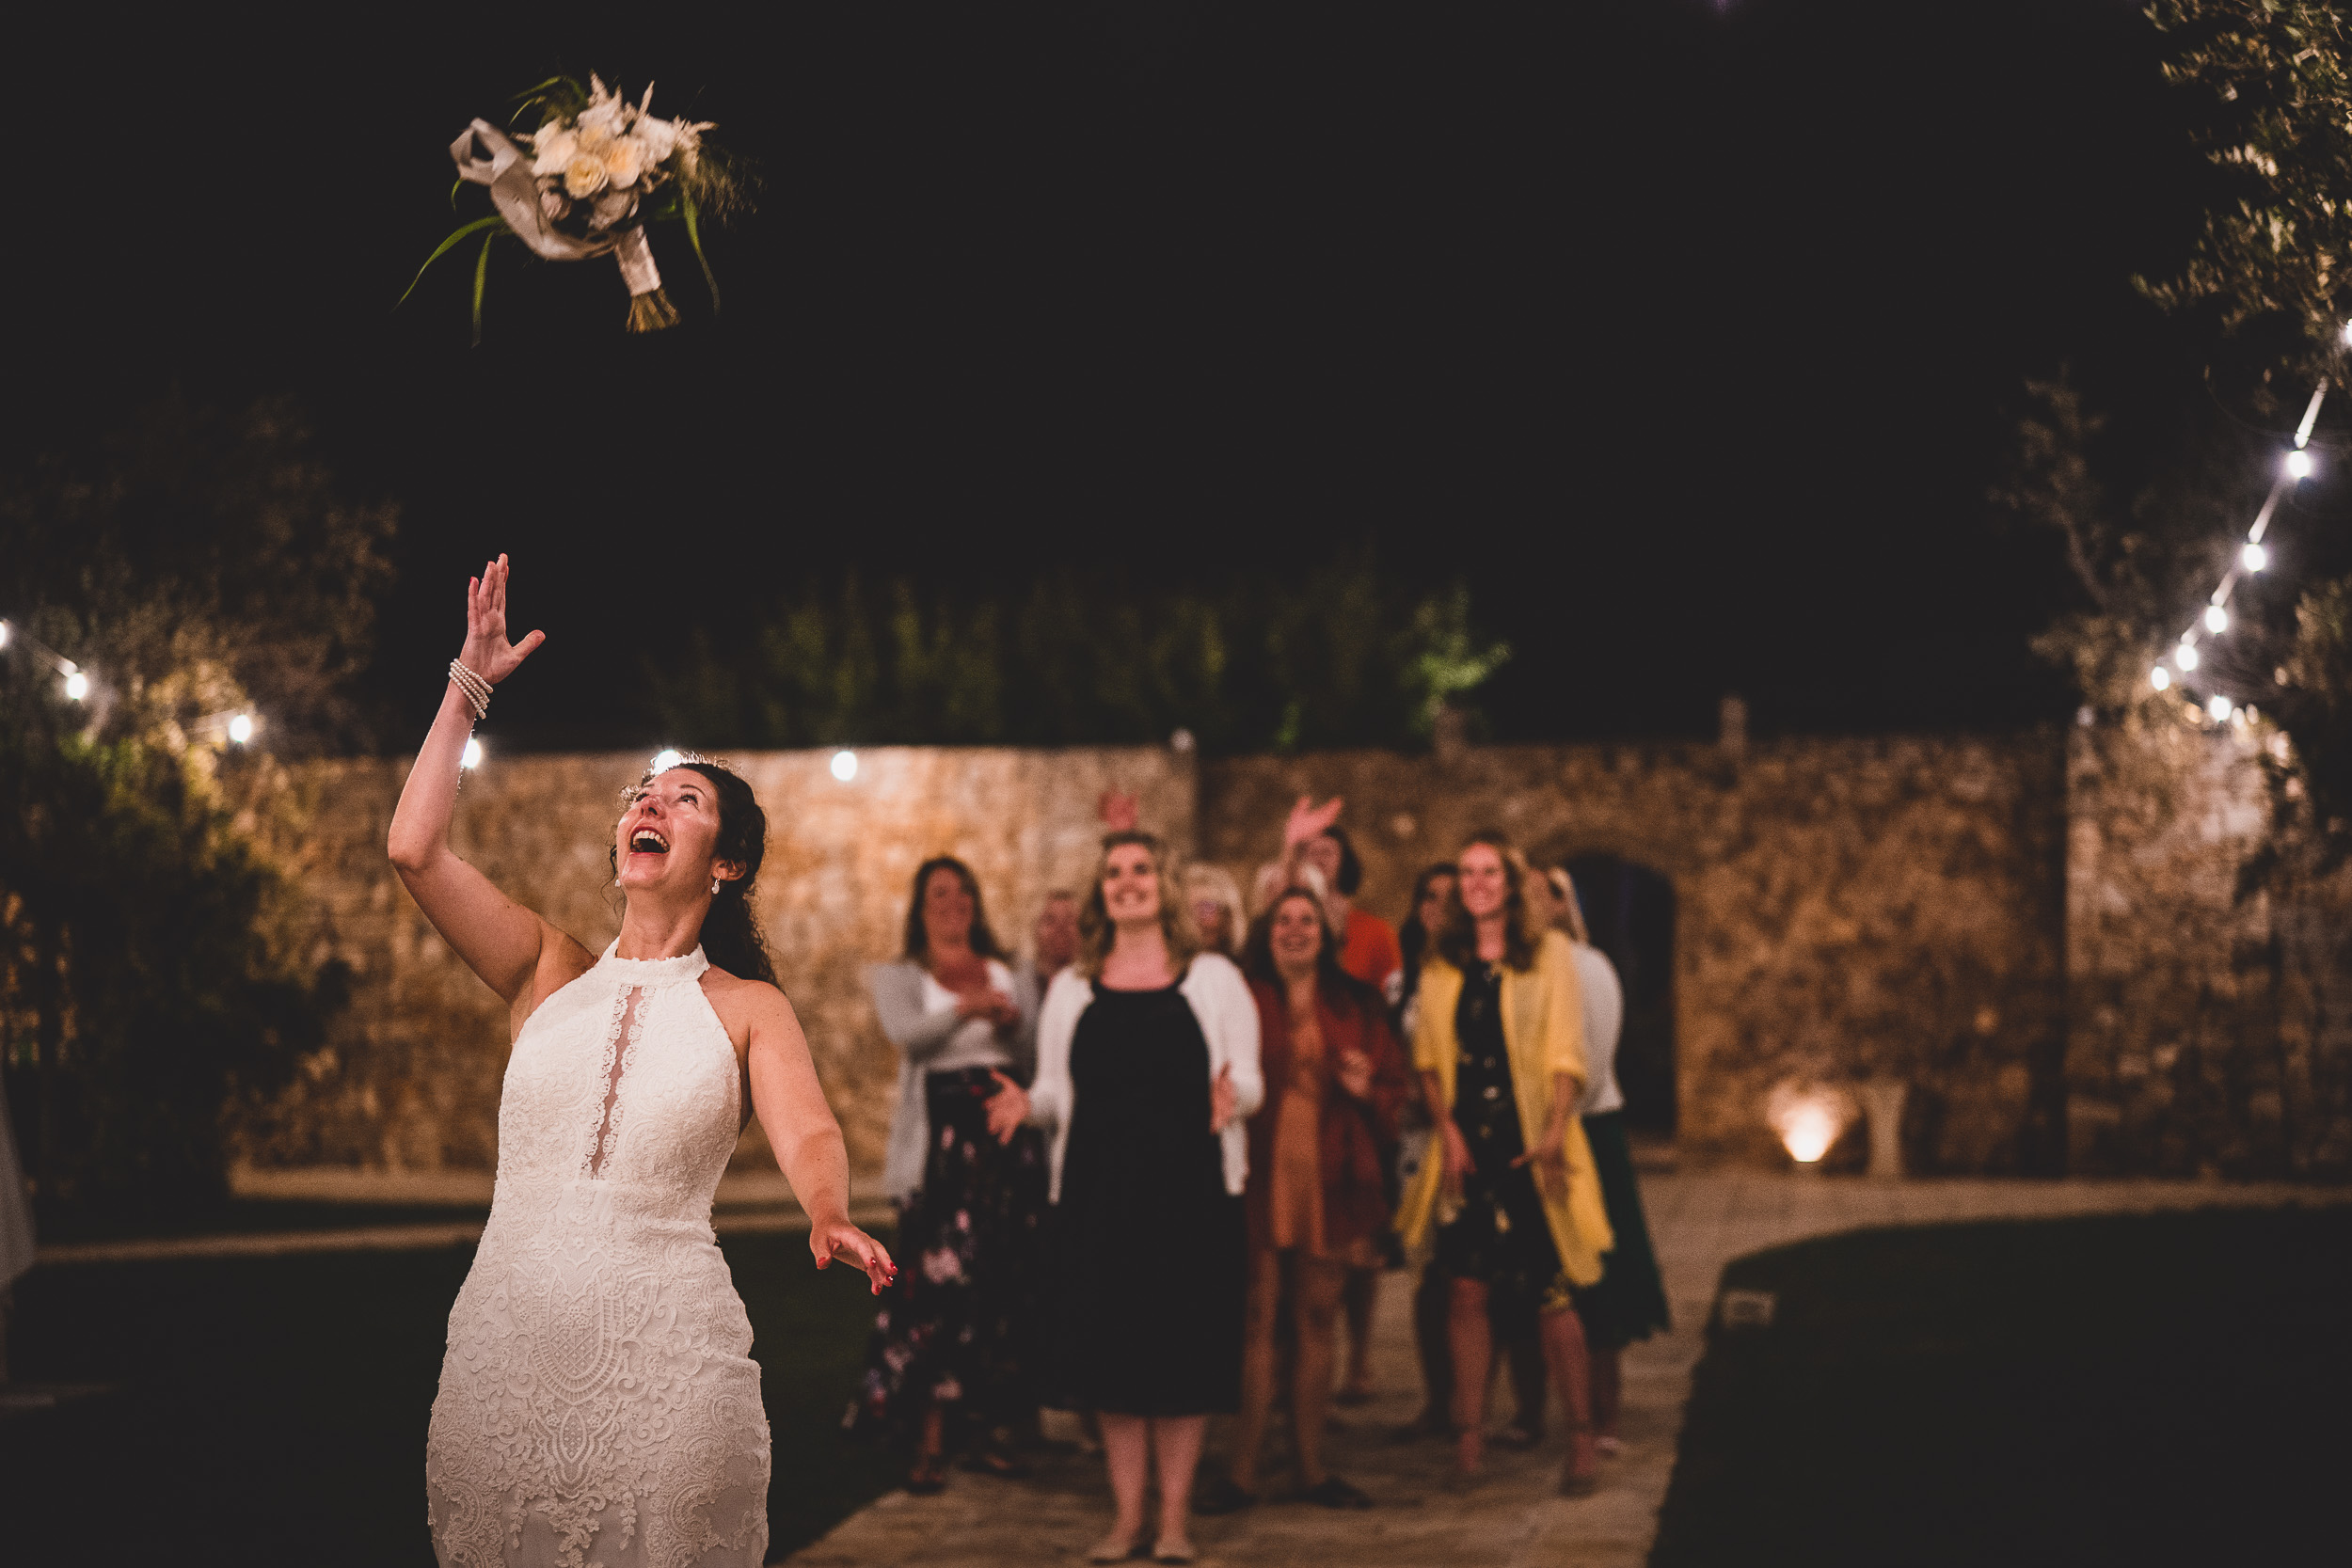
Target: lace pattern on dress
(598, 1403)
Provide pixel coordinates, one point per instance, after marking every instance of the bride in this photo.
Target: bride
(598, 1393)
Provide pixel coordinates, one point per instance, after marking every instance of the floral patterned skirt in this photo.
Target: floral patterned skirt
(958, 1328)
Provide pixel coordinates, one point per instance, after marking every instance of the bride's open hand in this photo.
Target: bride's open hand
(487, 652)
(840, 1241)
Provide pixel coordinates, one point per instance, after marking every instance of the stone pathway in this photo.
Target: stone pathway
(1699, 1220)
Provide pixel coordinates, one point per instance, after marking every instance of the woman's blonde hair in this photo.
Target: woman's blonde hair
(1095, 931)
(1216, 884)
(1570, 917)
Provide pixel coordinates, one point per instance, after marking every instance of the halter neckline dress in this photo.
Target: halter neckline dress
(598, 1403)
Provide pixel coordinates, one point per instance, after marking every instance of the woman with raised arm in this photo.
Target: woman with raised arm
(1147, 1060)
(598, 1395)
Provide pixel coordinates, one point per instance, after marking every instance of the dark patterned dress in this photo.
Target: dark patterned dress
(1499, 1237)
(958, 1328)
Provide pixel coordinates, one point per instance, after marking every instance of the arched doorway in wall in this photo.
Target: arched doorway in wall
(1630, 909)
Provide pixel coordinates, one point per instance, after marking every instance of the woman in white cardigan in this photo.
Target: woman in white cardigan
(1147, 1062)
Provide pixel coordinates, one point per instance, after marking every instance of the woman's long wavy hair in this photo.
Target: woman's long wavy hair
(1095, 931)
(1338, 986)
(918, 936)
(1457, 944)
(731, 937)
(1413, 937)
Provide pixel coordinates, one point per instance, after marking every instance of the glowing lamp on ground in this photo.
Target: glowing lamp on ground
(240, 728)
(667, 758)
(2185, 656)
(1808, 1120)
(2160, 677)
(2255, 557)
(473, 754)
(2219, 707)
(844, 766)
(2300, 464)
(76, 685)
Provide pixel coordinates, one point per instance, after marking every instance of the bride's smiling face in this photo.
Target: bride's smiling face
(669, 835)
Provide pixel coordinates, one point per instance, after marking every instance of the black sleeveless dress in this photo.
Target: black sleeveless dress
(1148, 1315)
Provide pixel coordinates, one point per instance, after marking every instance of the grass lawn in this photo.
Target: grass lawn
(273, 1410)
(2145, 1391)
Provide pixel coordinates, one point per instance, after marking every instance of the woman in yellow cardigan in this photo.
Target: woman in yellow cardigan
(1500, 1048)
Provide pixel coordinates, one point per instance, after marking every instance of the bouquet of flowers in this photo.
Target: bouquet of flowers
(586, 183)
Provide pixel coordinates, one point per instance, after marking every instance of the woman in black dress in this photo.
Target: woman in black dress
(1147, 1062)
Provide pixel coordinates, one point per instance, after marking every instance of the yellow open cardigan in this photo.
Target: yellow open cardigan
(1543, 1031)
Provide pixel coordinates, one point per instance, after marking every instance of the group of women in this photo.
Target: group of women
(1150, 1184)
(1136, 1178)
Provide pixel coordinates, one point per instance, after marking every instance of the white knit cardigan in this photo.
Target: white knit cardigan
(1219, 998)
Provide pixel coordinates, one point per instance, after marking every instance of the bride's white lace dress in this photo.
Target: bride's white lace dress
(598, 1402)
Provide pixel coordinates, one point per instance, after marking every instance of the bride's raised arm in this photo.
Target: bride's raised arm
(499, 939)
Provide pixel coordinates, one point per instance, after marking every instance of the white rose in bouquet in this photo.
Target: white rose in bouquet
(623, 162)
(552, 148)
(584, 176)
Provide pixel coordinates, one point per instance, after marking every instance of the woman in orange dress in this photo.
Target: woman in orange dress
(1315, 1200)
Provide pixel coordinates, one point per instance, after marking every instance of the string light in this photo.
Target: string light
(473, 754)
(844, 766)
(2185, 656)
(241, 729)
(2300, 464)
(2255, 558)
(76, 685)
(2160, 677)
(667, 758)
(4, 634)
(2219, 706)
(2216, 619)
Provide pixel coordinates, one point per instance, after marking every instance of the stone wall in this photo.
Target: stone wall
(1845, 908)
(2041, 934)
(2211, 1017)
(408, 1087)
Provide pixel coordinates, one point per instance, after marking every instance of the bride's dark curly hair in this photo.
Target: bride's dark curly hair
(731, 937)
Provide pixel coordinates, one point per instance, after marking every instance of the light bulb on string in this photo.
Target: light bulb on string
(2160, 677)
(2185, 656)
(844, 766)
(2300, 464)
(76, 685)
(2348, 333)
(2255, 557)
(667, 758)
(240, 728)
(2219, 706)
(473, 754)
(2216, 619)
(4, 634)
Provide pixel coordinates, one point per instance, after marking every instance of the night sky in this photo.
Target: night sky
(1686, 332)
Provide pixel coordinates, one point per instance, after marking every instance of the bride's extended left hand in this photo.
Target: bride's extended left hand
(839, 1239)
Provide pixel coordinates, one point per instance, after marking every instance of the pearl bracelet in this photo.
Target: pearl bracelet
(477, 691)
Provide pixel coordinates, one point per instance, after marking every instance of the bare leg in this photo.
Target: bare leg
(1431, 1307)
(1529, 1370)
(1176, 1443)
(1362, 1290)
(1608, 1391)
(1571, 1373)
(928, 1447)
(1263, 1304)
(1320, 1285)
(1126, 1447)
(1473, 1342)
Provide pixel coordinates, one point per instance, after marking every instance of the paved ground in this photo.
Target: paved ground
(1700, 1221)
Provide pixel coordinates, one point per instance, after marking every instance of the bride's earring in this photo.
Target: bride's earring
(714, 887)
